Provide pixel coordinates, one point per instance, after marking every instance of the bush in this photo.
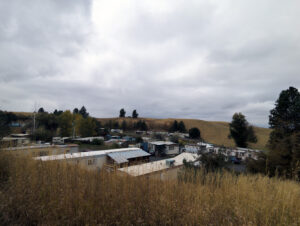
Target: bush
(194, 133)
(97, 142)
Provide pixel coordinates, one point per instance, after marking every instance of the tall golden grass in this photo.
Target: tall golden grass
(55, 193)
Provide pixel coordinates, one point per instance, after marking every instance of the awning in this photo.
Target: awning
(122, 157)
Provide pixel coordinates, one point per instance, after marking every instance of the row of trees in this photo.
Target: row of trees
(123, 113)
(65, 123)
(139, 125)
(177, 127)
(283, 157)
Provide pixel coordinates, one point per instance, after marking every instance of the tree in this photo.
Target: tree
(124, 125)
(174, 127)
(240, 131)
(57, 113)
(212, 162)
(65, 123)
(5, 119)
(75, 111)
(284, 119)
(87, 127)
(141, 125)
(181, 127)
(47, 121)
(83, 112)
(116, 125)
(41, 110)
(134, 114)
(122, 113)
(194, 133)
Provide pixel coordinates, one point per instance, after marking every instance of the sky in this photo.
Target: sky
(167, 59)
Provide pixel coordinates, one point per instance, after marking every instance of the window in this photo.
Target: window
(171, 147)
(43, 153)
(91, 161)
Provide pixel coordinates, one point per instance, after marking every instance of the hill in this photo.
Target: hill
(211, 131)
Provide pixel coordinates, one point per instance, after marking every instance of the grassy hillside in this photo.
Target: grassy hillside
(54, 193)
(213, 132)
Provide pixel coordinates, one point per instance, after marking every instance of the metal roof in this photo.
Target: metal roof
(162, 143)
(122, 157)
(84, 154)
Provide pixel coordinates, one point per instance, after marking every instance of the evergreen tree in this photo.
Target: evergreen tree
(194, 133)
(124, 125)
(134, 114)
(174, 127)
(83, 112)
(57, 113)
(5, 119)
(284, 119)
(116, 125)
(75, 111)
(41, 110)
(240, 130)
(181, 127)
(122, 113)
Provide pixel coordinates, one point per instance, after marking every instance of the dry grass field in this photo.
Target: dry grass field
(52, 193)
(213, 132)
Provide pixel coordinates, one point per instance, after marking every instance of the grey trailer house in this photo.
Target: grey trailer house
(98, 160)
(161, 148)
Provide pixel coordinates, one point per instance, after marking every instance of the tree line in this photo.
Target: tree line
(283, 156)
(123, 114)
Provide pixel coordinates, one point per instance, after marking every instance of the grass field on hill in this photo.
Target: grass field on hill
(212, 132)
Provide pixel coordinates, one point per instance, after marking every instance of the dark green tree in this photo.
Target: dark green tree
(135, 114)
(83, 112)
(141, 125)
(5, 119)
(124, 125)
(181, 127)
(212, 162)
(41, 110)
(174, 127)
(122, 113)
(240, 131)
(75, 111)
(116, 125)
(194, 133)
(57, 113)
(284, 119)
(87, 127)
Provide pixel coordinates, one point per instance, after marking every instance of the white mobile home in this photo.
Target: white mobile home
(100, 159)
(163, 169)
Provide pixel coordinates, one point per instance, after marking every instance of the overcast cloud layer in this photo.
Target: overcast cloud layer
(184, 59)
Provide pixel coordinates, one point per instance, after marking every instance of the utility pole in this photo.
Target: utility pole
(33, 121)
(73, 124)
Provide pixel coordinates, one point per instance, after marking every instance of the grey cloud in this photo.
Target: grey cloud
(194, 59)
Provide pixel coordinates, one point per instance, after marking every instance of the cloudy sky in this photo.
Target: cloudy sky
(185, 59)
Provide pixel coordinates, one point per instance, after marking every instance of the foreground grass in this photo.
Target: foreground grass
(39, 193)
